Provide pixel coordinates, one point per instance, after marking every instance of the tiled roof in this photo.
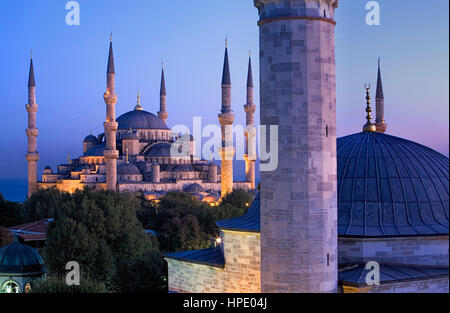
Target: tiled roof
(210, 256)
(249, 222)
(356, 275)
(35, 231)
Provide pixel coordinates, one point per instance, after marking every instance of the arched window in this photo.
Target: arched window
(11, 287)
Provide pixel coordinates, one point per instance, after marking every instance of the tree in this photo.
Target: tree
(239, 198)
(58, 285)
(6, 237)
(100, 231)
(45, 203)
(11, 213)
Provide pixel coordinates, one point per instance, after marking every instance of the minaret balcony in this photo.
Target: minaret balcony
(111, 154)
(32, 156)
(32, 132)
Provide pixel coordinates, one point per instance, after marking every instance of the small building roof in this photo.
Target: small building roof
(211, 256)
(249, 222)
(356, 275)
(35, 231)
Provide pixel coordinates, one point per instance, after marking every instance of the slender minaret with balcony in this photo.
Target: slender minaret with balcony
(380, 123)
(299, 197)
(226, 119)
(32, 132)
(163, 114)
(111, 153)
(250, 130)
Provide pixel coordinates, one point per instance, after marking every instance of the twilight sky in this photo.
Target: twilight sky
(70, 67)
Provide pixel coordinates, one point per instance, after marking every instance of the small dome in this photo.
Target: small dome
(18, 258)
(211, 198)
(194, 188)
(181, 168)
(130, 136)
(197, 196)
(138, 119)
(159, 150)
(97, 150)
(128, 169)
(91, 139)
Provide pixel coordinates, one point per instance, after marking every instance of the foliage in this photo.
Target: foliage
(11, 213)
(58, 285)
(6, 237)
(239, 198)
(184, 223)
(45, 203)
(100, 231)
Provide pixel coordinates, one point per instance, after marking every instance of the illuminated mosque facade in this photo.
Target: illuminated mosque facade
(138, 152)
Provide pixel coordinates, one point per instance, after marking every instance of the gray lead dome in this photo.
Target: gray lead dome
(140, 120)
(389, 187)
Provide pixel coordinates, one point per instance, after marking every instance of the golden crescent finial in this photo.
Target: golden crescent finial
(368, 127)
(110, 37)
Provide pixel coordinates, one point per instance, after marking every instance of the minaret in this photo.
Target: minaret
(250, 131)
(298, 94)
(379, 121)
(163, 114)
(32, 132)
(111, 154)
(226, 119)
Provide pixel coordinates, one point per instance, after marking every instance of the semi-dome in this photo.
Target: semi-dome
(388, 187)
(20, 259)
(98, 150)
(139, 119)
(160, 150)
(128, 169)
(194, 188)
(91, 139)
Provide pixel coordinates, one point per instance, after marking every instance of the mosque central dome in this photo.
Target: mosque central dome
(139, 119)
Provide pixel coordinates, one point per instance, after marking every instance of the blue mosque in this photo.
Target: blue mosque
(365, 213)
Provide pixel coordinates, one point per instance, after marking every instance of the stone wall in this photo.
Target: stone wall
(241, 273)
(431, 251)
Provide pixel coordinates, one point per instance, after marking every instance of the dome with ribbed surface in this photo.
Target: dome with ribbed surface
(390, 187)
(138, 119)
(128, 169)
(18, 258)
(91, 139)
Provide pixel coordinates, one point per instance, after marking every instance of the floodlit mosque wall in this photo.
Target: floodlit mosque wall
(241, 273)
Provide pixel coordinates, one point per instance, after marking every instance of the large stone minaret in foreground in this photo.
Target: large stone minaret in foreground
(299, 198)
(250, 131)
(380, 123)
(226, 119)
(163, 114)
(32, 133)
(111, 153)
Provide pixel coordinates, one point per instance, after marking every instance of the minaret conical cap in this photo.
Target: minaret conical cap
(379, 93)
(163, 84)
(31, 80)
(226, 77)
(111, 69)
(250, 73)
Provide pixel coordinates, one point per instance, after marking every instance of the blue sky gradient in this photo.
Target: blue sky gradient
(70, 67)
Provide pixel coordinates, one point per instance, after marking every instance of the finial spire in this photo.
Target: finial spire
(250, 72)
(162, 91)
(379, 93)
(368, 127)
(138, 106)
(111, 69)
(31, 80)
(226, 76)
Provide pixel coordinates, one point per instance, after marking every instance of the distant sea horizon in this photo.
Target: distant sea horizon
(14, 189)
